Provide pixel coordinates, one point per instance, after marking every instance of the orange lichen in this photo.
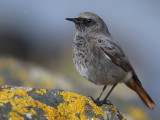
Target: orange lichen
(41, 91)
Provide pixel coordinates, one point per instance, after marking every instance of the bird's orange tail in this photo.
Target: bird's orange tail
(141, 92)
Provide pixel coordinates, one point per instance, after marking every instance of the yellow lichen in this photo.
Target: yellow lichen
(77, 104)
(74, 104)
(41, 91)
(33, 112)
(15, 116)
(114, 108)
(116, 111)
(20, 104)
(1, 104)
(124, 119)
(4, 86)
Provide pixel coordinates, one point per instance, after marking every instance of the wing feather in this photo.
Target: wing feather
(117, 56)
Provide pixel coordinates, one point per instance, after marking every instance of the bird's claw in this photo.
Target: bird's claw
(108, 102)
(100, 103)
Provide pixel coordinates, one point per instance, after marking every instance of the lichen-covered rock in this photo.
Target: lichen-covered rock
(112, 113)
(15, 72)
(19, 103)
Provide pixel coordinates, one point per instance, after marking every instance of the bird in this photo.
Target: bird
(99, 58)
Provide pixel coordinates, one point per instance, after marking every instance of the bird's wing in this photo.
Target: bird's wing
(112, 50)
(116, 54)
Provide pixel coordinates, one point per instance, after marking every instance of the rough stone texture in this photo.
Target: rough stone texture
(112, 113)
(20, 103)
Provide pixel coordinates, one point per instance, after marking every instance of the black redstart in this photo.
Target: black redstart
(100, 59)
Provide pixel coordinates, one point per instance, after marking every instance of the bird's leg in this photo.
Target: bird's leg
(101, 93)
(105, 101)
(97, 101)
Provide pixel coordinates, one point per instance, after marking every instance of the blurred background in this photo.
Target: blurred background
(36, 41)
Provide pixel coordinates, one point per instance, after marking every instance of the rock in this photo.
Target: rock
(21, 103)
(15, 72)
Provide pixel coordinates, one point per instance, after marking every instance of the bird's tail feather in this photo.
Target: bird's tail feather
(141, 92)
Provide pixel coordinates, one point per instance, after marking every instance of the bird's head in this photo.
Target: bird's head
(89, 23)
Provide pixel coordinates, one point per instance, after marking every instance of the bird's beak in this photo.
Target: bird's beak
(71, 19)
(75, 20)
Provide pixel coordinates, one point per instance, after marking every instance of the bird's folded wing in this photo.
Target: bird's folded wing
(117, 56)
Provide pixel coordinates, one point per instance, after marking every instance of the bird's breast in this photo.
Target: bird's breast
(90, 61)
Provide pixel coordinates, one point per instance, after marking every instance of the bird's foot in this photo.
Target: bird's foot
(108, 102)
(100, 103)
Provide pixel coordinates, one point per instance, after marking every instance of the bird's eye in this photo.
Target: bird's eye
(88, 21)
